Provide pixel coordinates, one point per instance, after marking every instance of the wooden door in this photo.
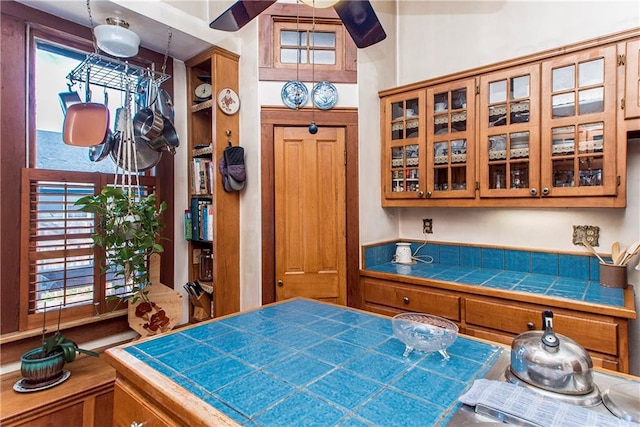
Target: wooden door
(310, 232)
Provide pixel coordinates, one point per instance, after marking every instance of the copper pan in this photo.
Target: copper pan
(85, 124)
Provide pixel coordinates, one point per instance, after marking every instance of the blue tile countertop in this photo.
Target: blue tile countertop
(306, 363)
(574, 277)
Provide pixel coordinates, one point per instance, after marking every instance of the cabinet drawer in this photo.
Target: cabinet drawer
(412, 298)
(593, 334)
(130, 407)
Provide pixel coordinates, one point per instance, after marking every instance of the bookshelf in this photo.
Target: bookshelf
(213, 213)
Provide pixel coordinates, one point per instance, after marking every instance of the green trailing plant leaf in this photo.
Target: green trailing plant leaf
(128, 230)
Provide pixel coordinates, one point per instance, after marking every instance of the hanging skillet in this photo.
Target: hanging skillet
(85, 123)
(358, 18)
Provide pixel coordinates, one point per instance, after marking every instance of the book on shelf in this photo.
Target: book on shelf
(201, 218)
(188, 228)
(201, 176)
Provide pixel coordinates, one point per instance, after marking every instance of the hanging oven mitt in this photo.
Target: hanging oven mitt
(232, 168)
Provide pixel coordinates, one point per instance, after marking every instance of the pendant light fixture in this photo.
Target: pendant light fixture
(320, 4)
(294, 92)
(313, 129)
(115, 38)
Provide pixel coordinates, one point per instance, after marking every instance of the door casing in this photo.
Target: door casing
(271, 117)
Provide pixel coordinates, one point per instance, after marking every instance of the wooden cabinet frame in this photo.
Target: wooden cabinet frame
(207, 124)
(617, 126)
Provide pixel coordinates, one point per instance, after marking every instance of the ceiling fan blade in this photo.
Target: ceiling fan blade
(361, 22)
(239, 14)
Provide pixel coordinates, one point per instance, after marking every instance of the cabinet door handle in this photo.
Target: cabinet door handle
(421, 194)
(530, 326)
(533, 191)
(136, 424)
(280, 283)
(405, 300)
(545, 191)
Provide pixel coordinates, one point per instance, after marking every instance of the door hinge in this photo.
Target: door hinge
(477, 185)
(478, 90)
(618, 180)
(622, 58)
(622, 104)
(345, 157)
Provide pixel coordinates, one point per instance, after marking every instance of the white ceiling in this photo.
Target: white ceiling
(151, 20)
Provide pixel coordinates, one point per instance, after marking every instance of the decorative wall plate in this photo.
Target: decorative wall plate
(294, 94)
(324, 95)
(228, 101)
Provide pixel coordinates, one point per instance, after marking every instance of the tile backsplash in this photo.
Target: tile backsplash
(582, 267)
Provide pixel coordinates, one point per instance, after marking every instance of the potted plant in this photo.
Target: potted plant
(42, 366)
(128, 229)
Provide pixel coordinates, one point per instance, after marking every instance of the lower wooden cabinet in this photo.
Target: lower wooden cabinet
(499, 315)
(404, 298)
(133, 410)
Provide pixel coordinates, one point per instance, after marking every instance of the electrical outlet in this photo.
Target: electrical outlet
(590, 233)
(427, 226)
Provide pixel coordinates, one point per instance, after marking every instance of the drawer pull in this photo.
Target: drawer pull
(530, 326)
(405, 300)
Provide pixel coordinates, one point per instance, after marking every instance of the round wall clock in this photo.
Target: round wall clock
(203, 92)
(228, 101)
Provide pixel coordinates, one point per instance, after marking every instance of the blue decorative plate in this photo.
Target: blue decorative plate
(324, 95)
(294, 94)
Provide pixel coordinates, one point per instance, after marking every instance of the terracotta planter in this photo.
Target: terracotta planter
(40, 371)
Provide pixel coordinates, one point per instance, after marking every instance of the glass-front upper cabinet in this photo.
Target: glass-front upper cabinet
(579, 124)
(509, 132)
(403, 148)
(450, 140)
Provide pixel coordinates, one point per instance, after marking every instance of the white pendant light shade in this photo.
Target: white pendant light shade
(115, 38)
(320, 4)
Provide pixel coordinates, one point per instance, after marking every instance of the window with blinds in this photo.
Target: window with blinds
(63, 270)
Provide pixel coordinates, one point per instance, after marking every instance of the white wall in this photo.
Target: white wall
(448, 37)
(431, 38)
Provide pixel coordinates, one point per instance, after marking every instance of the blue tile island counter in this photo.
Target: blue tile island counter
(294, 363)
(496, 293)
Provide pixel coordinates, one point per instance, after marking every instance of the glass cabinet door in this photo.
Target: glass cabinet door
(579, 124)
(404, 146)
(509, 138)
(450, 140)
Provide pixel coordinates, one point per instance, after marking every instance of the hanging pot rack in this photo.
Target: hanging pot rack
(113, 74)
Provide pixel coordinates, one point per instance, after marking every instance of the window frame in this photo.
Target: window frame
(20, 22)
(279, 15)
(337, 30)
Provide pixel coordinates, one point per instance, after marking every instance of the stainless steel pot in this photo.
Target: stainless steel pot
(148, 123)
(167, 141)
(551, 361)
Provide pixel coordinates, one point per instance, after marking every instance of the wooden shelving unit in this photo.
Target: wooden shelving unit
(209, 126)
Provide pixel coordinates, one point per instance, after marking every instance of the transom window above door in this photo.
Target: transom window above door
(304, 47)
(298, 43)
